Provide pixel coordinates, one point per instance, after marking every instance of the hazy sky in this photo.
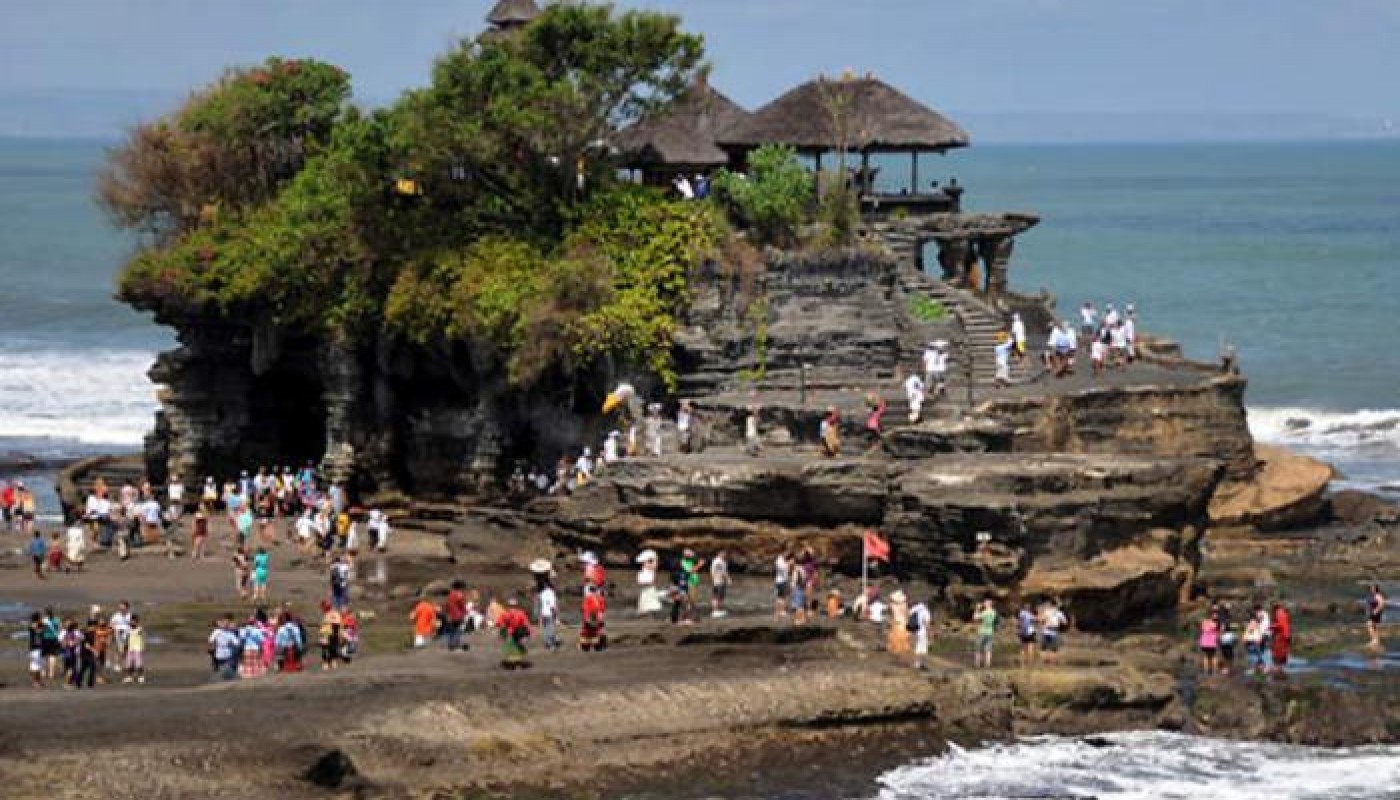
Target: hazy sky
(1336, 57)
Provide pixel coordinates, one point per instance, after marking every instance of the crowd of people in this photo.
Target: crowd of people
(66, 652)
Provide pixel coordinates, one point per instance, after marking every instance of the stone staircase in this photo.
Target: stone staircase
(980, 324)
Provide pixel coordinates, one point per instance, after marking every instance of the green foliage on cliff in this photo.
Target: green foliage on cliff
(482, 209)
(773, 198)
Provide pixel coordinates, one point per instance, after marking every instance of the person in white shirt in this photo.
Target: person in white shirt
(583, 467)
(548, 609)
(1098, 354)
(684, 188)
(610, 455)
(120, 622)
(685, 420)
(1130, 335)
(914, 391)
(1110, 316)
(1117, 345)
(175, 497)
(652, 424)
(753, 442)
(920, 621)
(1003, 356)
(1018, 335)
(936, 368)
(1088, 319)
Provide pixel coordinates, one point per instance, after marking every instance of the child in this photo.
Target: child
(55, 555)
(37, 551)
(260, 567)
(135, 652)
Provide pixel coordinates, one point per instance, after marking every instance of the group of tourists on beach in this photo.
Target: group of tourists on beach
(266, 642)
(66, 652)
(1266, 636)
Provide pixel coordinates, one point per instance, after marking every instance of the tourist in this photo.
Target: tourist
(591, 637)
(424, 617)
(593, 572)
(331, 641)
(680, 595)
(919, 624)
(610, 448)
(835, 607)
(1026, 632)
(1002, 353)
(454, 615)
(350, 635)
(289, 643)
(1088, 320)
(583, 467)
(1228, 637)
(797, 598)
(547, 609)
(340, 583)
(135, 658)
(1110, 317)
(1375, 610)
(1018, 336)
(75, 547)
(1098, 354)
(781, 589)
(27, 509)
(101, 642)
(936, 368)
(719, 584)
(37, 551)
(51, 644)
(1117, 346)
(241, 572)
(986, 619)
(36, 650)
(261, 562)
(87, 656)
(250, 650)
(830, 432)
(685, 423)
(691, 566)
(120, 625)
(1208, 641)
(874, 420)
(1254, 645)
(55, 555)
(652, 427)
(1266, 639)
(224, 649)
(514, 629)
(1130, 334)
(648, 597)
(1052, 621)
(914, 393)
(7, 505)
(897, 637)
(753, 441)
(1281, 632)
(199, 536)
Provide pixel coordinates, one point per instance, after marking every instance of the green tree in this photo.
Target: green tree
(774, 197)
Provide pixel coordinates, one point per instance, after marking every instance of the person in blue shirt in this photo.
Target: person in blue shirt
(37, 550)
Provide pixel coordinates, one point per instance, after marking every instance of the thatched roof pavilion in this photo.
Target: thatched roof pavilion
(511, 14)
(875, 117)
(683, 137)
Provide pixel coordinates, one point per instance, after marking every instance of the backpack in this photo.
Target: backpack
(912, 625)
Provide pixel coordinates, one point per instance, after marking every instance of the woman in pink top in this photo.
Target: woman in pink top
(1209, 643)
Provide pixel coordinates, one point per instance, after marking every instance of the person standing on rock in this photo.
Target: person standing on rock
(591, 637)
(920, 624)
(1281, 631)
(1208, 641)
(719, 584)
(897, 638)
(685, 426)
(914, 392)
(1375, 610)
(1002, 353)
(454, 613)
(781, 570)
(874, 422)
(1018, 337)
(753, 440)
(1088, 320)
(1052, 622)
(547, 605)
(936, 368)
(1026, 632)
(830, 432)
(986, 621)
(340, 582)
(424, 617)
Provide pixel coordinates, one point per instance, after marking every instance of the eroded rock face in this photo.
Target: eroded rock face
(1287, 491)
(1113, 536)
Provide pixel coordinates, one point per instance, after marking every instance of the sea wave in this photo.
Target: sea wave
(89, 396)
(1367, 430)
(1149, 766)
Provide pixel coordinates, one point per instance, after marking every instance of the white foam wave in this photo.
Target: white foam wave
(91, 396)
(1366, 430)
(1149, 766)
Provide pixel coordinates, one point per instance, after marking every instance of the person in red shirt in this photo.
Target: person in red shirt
(590, 634)
(515, 630)
(1281, 629)
(593, 574)
(454, 614)
(424, 618)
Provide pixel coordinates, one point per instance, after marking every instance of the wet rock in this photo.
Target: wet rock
(1352, 507)
(332, 770)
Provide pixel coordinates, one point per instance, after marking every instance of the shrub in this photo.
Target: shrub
(773, 199)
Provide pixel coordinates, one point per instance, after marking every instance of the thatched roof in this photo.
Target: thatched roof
(512, 12)
(684, 135)
(879, 117)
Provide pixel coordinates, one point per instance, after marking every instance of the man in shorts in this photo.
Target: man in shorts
(1052, 621)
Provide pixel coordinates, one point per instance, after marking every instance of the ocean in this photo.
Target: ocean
(1288, 252)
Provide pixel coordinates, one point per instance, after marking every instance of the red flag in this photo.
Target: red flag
(875, 547)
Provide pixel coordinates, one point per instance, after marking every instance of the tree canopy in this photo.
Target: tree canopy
(482, 208)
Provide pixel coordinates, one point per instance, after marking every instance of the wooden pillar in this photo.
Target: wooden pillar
(914, 173)
(866, 184)
(818, 181)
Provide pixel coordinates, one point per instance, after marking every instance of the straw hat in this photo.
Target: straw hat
(646, 555)
(899, 597)
(541, 566)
